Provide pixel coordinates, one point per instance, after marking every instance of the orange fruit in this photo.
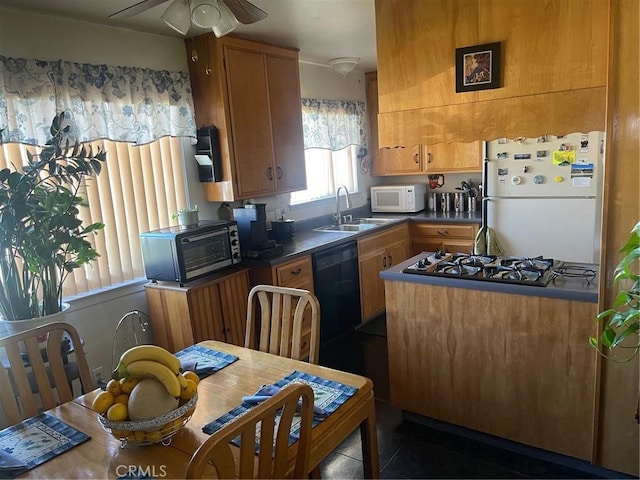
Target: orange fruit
(117, 412)
(102, 402)
(190, 390)
(114, 387)
(122, 398)
(127, 384)
(189, 375)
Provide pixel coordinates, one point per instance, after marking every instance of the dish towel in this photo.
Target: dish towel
(10, 467)
(267, 391)
(487, 242)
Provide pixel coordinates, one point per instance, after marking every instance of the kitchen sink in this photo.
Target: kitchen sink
(356, 225)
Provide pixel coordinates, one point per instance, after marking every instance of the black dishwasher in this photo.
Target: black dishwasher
(336, 284)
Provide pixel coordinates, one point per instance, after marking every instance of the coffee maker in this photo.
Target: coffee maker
(252, 228)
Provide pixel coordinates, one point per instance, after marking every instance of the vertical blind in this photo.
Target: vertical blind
(138, 190)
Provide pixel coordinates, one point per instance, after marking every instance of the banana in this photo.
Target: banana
(162, 373)
(146, 352)
(182, 381)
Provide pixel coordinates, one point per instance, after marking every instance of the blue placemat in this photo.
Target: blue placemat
(40, 438)
(328, 396)
(207, 361)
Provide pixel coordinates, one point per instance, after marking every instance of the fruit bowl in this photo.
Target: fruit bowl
(153, 430)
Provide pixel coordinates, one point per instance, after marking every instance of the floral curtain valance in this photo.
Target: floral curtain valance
(333, 124)
(127, 104)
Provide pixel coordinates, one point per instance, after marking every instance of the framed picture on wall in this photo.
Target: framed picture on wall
(478, 67)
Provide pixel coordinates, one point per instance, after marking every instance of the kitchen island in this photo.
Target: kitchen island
(508, 360)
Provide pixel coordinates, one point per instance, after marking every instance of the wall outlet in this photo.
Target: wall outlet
(96, 373)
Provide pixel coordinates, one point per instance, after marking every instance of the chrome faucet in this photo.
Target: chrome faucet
(338, 216)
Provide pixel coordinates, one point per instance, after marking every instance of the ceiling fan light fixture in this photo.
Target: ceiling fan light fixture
(206, 14)
(178, 16)
(344, 65)
(228, 21)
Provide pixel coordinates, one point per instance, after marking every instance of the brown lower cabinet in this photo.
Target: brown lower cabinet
(515, 366)
(377, 252)
(443, 237)
(214, 308)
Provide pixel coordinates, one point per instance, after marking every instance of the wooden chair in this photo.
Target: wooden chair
(283, 329)
(30, 370)
(268, 462)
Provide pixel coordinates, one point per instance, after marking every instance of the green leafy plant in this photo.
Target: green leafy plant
(42, 238)
(185, 210)
(621, 322)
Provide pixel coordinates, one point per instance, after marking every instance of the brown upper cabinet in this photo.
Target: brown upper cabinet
(554, 66)
(417, 159)
(251, 92)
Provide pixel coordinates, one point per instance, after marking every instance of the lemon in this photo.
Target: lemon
(122, 398)
(102, 402)
(137, 436)
(189, 375)
(114, 387)
(117, 412)
(190, 390)
(153, 437)
(127, 384)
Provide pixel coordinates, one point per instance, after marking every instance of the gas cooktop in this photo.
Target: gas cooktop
(537, 271)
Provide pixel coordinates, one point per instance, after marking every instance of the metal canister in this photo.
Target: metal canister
(459, 201)
(432, 202)
(472, 203)
(445, 201)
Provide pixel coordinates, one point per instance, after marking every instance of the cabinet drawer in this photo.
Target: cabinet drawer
(293, 271)
(381, 240)
(448, 230)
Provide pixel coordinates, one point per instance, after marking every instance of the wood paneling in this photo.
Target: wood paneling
(552, 113)
(514, 366)
(618, 443)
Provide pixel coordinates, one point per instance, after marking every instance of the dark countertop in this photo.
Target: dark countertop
(307, 241)
(566, 288)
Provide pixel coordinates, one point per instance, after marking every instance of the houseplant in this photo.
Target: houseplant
(42, 238)
(187, 216)
(621, 322)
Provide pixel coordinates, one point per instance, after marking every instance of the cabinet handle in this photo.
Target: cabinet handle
(297, 271)
(270, 173)
(442, 232)
(416, 157)
(428, 157)
(384, 261)
(279, 172)
(390, 260)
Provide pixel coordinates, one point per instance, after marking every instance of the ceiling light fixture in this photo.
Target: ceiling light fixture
(344, 65)
(228, 21)
(205, 14)
(178, 16)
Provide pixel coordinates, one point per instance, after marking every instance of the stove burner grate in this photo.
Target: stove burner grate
(574, 271)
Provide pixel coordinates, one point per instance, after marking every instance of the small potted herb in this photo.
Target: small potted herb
(187, 216)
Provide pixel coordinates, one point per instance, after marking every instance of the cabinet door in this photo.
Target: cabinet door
(234, 292)
(286, 122)
(206, 313)
(396, 252)
(398, 161)
(419, 245)
(453, 157)
(371, 286)
(250, 121)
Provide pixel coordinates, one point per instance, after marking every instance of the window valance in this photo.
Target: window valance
(333, 124)
(127, 104)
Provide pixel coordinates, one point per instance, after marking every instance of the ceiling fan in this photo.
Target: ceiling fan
(220, 15)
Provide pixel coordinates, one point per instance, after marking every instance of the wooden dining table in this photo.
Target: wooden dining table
(103, 457)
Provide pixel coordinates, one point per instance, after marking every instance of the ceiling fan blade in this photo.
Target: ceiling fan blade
(136, 8)
(245, 11)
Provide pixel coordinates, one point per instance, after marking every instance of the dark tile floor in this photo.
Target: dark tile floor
(412, 450)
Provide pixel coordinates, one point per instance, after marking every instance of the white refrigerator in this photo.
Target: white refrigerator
(543, 196)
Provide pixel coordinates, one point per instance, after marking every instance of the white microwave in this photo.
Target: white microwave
(398, 198)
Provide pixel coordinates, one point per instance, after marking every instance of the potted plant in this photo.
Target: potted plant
(187, 216)
(42, 238)
(621, 322)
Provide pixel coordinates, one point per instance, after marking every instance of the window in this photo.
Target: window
(138, 190)
(326, 171)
